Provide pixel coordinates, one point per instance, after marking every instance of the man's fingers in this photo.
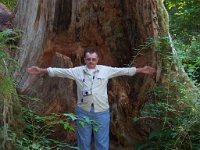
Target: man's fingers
(33, 70)
(150, 70)
(29, 70)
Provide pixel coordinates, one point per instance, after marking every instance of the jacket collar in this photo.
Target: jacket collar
(85, 69)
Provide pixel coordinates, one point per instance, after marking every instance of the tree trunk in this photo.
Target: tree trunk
(115, 28)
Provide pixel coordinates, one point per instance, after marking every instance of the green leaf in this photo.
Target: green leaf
(72, 116)
(82, 123)
(35, 146)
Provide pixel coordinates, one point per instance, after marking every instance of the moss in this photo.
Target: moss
(163, 18)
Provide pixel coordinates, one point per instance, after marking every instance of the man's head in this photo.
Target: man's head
(91, 58)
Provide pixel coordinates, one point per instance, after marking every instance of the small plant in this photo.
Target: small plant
(38, 129)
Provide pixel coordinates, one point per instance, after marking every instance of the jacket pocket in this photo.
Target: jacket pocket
(100, 80)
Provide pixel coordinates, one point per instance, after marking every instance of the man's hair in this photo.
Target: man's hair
(90, 51)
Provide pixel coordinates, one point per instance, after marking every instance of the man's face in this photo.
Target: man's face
(91, 60)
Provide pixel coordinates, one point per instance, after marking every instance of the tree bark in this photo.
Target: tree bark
(115, 28)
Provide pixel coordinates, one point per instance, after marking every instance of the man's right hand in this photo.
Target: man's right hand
(36, 70)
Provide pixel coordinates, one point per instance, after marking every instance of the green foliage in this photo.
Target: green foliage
(185, 30)
(179, 120)
(189, 55)
(184, 18)
(39, 129)
(11, 4)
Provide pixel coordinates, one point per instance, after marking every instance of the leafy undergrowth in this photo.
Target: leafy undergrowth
(39, 129)
(178, 119)
(172, 113)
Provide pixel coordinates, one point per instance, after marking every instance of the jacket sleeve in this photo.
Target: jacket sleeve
(62, 72)
(115, 72)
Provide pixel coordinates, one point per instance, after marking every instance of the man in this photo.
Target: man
(92, 103)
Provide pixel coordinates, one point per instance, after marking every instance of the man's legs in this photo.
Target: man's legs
(84, 129)
(101, 130)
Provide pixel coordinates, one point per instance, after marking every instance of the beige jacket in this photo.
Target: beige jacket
(91, 89)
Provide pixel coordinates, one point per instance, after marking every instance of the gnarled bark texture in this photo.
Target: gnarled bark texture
(55, 33)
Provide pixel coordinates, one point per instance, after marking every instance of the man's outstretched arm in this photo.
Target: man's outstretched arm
(54, 72)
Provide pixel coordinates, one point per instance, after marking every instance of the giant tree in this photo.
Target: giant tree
(124, 32)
